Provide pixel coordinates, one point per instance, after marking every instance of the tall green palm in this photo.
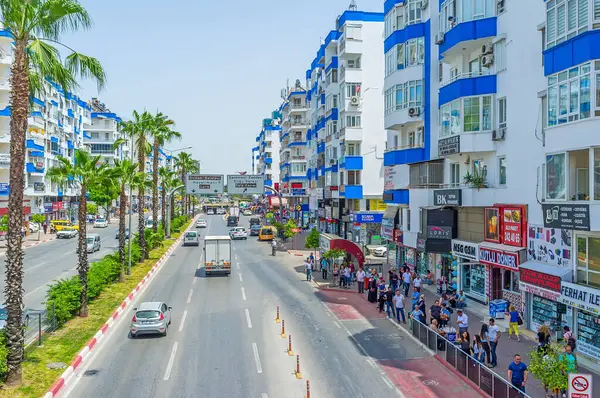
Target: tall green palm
(84, 172)
(185, 164)
(36, 27)
(166, 178)
(139, 129)
(162, 134)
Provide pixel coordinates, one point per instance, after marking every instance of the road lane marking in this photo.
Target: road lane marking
(195, 279)
(256, 358)
(387, 382)
(248, 319)
(237, 265)
(182, 320)
(243, 293)
(171, 360)
(336, 323)
(35, 290)
(240, 275)
(190, 296)
(35, 266)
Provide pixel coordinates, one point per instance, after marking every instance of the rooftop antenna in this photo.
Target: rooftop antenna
(353, 6)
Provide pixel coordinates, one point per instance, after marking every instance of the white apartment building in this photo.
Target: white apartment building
(268, 150)
(102, 132)
(493, 160)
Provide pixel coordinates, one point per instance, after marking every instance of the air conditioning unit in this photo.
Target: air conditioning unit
(487, 49)
(487, 60)
(439, 38)
(331, 161)
(354, 100)
(414, 112)
(498, 135)
(424, 4)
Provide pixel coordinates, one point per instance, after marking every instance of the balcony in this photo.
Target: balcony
(467, 85)
(35, 168)
(459, 32)
(352, 163)
(349, 47)
(351, 133)
(351, 74)
(298, 158)
(299, 123)
(403, 115)
(351, 191)
(427, 175)
(404, 155)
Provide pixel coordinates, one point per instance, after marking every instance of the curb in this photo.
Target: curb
(463, 378)
(295, 254)
(65, 378)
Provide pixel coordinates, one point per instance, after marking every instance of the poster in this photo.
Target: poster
(550, 245)
(492, 224)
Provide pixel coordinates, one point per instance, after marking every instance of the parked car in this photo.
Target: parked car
(151, 318)
(4, 317)
(238, 233)
(126, 233)
(379, 251)
(34, 227)
(67, 233)
(254, 230)
(201, 223)
(191, 238)
(92, 242)
(100, 223)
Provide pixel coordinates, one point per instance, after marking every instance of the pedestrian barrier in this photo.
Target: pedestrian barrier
(282, 329)
(307, 389)
(298, 374)
(290, 351)
(277, 319)
(475, 372)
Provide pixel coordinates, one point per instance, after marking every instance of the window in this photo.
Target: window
(408, 219)
(394, 20)
(396, 141)
(411, 139)
(456, 11)
(451, 119)
(588, 261)
(352, 89)
(298, 167)
(472, 113)
(400, 55)
(502, 170)
(502, 113)
(390, 62)
(440, 71)
(565, 19)
(596, 10)
(556, 176)
(352, 121)
(455, 174)
(410, 53)
(510, 280)
(569, 95)
(102, 149)
(409, 94)
(353, 32)
(596, 173)
(389, 103)
(500, 55)
(413, 11)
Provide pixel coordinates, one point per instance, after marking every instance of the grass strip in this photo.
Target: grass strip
(64, 344)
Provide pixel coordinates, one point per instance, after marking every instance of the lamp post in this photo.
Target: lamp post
(168, 220)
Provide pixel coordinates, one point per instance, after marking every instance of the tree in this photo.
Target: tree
(312, 241)
(551, 368)
(166, 182)
(38, 219)
(36, 26)
(162, 133)
(83, 173)
(288, 229)
(104, 194)
(186, 164)
(91, 208)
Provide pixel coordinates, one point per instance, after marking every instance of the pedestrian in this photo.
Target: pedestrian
(435, 311)
(382, 299)
(570, 360)
(341, 279)
(463, 321)
(543, 339)
(518, 373)
(478, 350)
(399, 304)
(352, 273)
(45, 227)
(308, 269)
(372, 296)
(22, 232)
(360, 278)
(406, 279)
(569, 338)
(485, 342)
(395, 280)
(414, 298)
(444, 316)
(389, 303)
(417, 282)
(415, 315)
(312, 258)
(324, 268)
(347, 277)
(493, 336)
(465, 342)
(513, 323)
(423, 309)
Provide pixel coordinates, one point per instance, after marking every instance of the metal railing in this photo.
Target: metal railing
(403, 147)
(483, 377)
(427, 175)
(465, 75)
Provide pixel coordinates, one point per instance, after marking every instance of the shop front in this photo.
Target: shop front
(584, 302)
(471, 274)
(367, 227)
(541, 285)
(434, 246)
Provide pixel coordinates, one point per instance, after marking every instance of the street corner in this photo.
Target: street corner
(425, 377)
(348, 304)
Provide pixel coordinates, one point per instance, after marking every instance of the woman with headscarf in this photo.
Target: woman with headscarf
(372, 297)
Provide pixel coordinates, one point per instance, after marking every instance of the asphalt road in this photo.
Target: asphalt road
(223, 340)
(56, 260)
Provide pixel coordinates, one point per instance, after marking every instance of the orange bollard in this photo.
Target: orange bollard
(307, 389)
(298, 374)
(277, 319)
(290, 352)
(282, 329)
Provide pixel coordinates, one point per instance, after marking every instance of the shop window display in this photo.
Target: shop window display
(588, 334)
(547, 312)
(510, 280)
(473, 279)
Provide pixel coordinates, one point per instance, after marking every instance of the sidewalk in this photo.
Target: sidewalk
(31, 240)
(507, 348)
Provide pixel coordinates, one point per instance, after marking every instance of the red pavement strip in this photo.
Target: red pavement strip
(65, 378)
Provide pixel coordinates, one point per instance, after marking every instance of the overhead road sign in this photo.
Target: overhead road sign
(204, 184)
(250, 184)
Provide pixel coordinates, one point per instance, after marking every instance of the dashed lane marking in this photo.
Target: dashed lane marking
(248, 320)
(182, 320)
(256, 358)
(171, 361)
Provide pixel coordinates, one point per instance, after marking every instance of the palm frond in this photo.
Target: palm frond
(86, 67)
(55, 17)
(45, 59)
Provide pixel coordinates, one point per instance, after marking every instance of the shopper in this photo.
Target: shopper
(518, 373)
(478, 350)
(406, 280)
(513, 324)
(399, 304)
(417, 282)
(463, 321)
(389, 303)
(435, 312)
(360, 278)
(543, 339)
(569, 338)
(324, 268)
(485, 342)
(494, 336)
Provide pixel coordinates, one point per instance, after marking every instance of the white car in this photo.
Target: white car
(247, 212)
(201, 223)
(67, 233)
(100, 223)
(210, 212)
(191, 238)
(238, 233)
(220, 211)
(380, 251)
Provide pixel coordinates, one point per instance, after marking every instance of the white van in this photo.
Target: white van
(191, 238)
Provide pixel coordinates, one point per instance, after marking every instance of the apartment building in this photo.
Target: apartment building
(268, 150)
(492, 112)
(102, 132)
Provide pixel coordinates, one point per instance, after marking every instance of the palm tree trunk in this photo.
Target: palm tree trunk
(155, 187)
(183, 195)
(163, 207)
(83, 265)
(13, 290)
(122, 209)
(141, 200)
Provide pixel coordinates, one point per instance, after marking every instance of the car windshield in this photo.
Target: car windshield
(3, 314)
(100, 220)
(90, 241)
(190, 235)
(147, 314)
(266, 231)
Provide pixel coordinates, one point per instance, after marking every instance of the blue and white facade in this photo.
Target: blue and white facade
(102, 132)
(267, 150)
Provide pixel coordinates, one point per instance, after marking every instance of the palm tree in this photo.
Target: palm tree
(139, 130)
(162, 133)
(166, 177)
(36, 26)
(84, 172)
(186, 164)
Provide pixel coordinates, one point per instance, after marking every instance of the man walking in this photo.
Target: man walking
(399, 304)
(308, 269)
(493, 336)
(360, 278)
(518, 373)
(406, 280)
(324, 268)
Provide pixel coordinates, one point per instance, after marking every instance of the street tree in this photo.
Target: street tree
(186, 164)
(36, 27)
(551, 367)
(312, 240)
(39, 220)
(103, 194)
(166, 183)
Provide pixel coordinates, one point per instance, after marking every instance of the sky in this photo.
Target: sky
(216, 67)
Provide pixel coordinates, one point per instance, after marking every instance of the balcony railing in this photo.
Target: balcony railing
(427, 175)
(299, 122)
(465, 75)
(298, 106)
(403, 147)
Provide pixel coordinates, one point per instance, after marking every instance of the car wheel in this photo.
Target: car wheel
(26, 321)
(132, 335)
(166, 331)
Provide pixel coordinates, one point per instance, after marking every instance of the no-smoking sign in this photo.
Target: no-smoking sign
(580, 385)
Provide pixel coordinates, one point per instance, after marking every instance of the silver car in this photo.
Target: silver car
(150, 318)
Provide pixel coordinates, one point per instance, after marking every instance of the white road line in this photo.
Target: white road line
(241, 280)
(237, 265)
(336, 323)
(243, 293)
(182, 320)
(170, 364)
(372, 363)
(264, 395)
(194, 281)
(387, 382)
(256, 358)
(190, 296)
(36, 266)
(35, 290)
(248, 319)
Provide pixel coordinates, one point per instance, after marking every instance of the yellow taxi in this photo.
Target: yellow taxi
(59, 225)
(267, 232)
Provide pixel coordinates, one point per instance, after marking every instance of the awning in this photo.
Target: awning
(565, 274)
(499, 246)
(390, 212)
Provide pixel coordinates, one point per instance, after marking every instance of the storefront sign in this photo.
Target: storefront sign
(540, 279)
(39, 187)
(447, 197)
(512, 226)
(464, 249)
(567, 216)
(377, 205)
(492, 224)
(449, 146)
(324, 244)
(499, 258)
(387, 232)
(538, 291)
(421, 244)
(398, 236)
(396, 177)
(435, 232)
(298, 192)
(368, 218)
(48, 207)
(4, 187)
(579, 296)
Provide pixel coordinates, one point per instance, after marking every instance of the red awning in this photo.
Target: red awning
(349, 247)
